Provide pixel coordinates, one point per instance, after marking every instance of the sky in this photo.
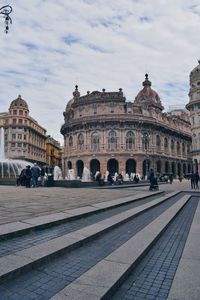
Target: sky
(54, 45)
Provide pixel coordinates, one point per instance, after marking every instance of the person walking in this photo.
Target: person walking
(197, 179)
(151, 177)
(28, 176)
(193, 180)
(171, 178)
(35, 171)
(42, 175)
(110, 179)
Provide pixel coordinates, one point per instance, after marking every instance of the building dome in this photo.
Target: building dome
(194, 93)
(147, 96)
(195, 73)
(19, 103)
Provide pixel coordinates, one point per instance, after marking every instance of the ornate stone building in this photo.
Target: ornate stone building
(194, 107)
(53, 153)
(24, 137)
(104, 132)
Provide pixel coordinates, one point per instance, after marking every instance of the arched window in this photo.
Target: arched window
(172, 145)
(178, 148)
(81, 142)
(70, 141)
(145, 141)
(95, 141)
(183, 149)
(130, 140)
(166, 144)
(112, 140)
(158, 142)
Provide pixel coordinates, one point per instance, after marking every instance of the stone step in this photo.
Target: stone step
(186, 283)
(101, 280)
(20, 261)
(22, 227)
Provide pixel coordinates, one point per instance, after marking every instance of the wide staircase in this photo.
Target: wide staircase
(128, 248)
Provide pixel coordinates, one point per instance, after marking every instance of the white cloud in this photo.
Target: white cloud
(53, 45)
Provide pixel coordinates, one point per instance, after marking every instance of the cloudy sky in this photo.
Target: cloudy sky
(54, 45)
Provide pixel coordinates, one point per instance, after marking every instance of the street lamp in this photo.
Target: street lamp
(5, 11)
(146, 136)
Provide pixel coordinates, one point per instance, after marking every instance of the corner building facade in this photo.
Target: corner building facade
(104, 132)
(194, 107)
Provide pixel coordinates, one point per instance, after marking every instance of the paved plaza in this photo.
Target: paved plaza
(19, 203)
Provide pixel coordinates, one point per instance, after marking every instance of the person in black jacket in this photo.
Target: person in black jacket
(28, 176)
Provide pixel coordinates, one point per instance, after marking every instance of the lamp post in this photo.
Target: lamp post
(6, 11)
(146, 136)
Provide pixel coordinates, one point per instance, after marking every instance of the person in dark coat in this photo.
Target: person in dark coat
(171, 178)
(197, 179)
(110, 179)
(193, 180)
(21, 180)
(151, 176)
(28, 176)
(35, 170)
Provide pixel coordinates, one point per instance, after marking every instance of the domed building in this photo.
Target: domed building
(24, 138)
(194, 107)
(103, 132)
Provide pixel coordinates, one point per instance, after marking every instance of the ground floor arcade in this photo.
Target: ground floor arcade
(127, 165)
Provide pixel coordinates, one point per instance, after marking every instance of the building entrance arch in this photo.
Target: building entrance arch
(112, 166)
(130, 166)
(179, 169)
(174, 169)
(184, 169)
(166, 167)
(69, 165)
(158, 166)
(94, 166)
(146, 167)
(79, 168)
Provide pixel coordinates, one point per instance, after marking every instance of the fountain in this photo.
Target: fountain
(86, 176)
(9, 168)
(70, 175)
(57, 173)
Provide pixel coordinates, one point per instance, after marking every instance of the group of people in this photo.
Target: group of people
(194, 179)
(29, 176)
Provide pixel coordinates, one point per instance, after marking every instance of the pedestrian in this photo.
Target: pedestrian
(42, 175)
(35, 171)
(136, 178)
(110, 179)
(197, 179)
(193, 180)
(98, 177)
(171, 178)
(28, 176)
(151, 176)
(21, 180)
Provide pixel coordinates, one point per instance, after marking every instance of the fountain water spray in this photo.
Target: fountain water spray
(9, 168)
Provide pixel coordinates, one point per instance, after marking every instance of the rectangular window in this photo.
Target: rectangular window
(13, 136)
(14, 121)
(19, 136)
(21, 112)
(20, 121)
